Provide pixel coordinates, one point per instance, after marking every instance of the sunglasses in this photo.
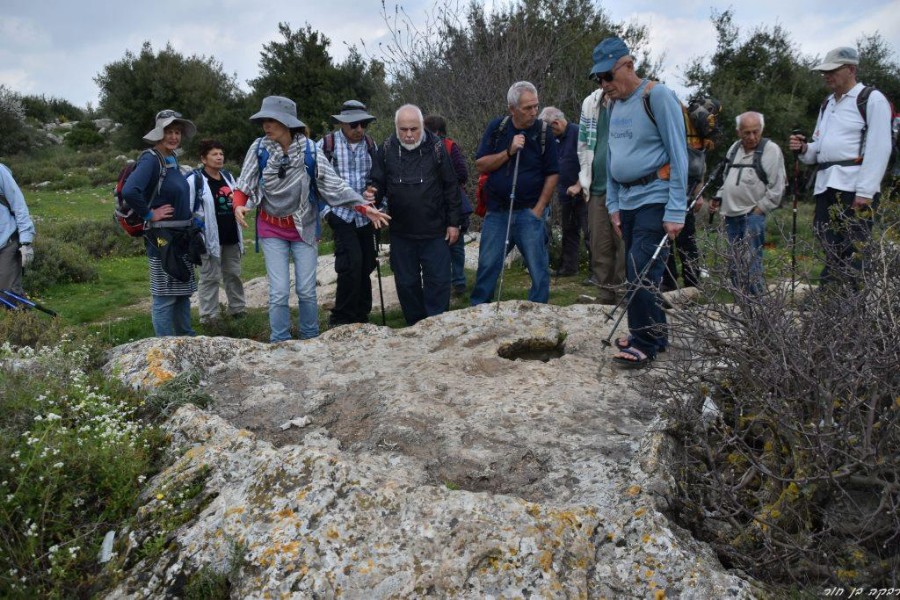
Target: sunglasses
(165, 114)
(282, 168)
(607, 76)
(363, 124)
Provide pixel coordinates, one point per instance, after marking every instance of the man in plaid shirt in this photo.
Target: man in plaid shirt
(350, 150)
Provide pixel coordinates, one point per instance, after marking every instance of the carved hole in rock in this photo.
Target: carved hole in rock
(541, 349)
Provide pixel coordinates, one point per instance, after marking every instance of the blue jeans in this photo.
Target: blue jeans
(642, 229)
(746, 235)
(458, 262)
(171, 315)
(422, 276)
(277, 254)
(529, 234)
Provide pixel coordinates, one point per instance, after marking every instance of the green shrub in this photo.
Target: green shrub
(71, 181)
(84, 135)
(75, 459)
(29, 328)
(97, 239)
(58, 262)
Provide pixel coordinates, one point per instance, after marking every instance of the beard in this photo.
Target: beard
(415, 145)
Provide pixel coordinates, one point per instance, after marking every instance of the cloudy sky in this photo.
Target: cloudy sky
(56, 48)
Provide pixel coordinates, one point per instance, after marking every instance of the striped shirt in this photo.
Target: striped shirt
(352, 162)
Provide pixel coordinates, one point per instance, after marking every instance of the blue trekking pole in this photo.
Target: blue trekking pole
(11, 295)
(512, 200)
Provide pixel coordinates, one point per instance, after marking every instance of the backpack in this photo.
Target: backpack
(756, 165)
(312, 169)
(862, 102)
(480, 191)
(701, 127)
(328, 148)
(131, 222)
(465, 207)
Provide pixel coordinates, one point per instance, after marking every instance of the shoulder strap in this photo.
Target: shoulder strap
(370, 144)
(328, 146)
(862, 100)
(501, 129)
(757, 161)
(729, 159)
(645, 99)
(162, 169)
(312, 169)
(198, 188)
(262, 157)
(824, 105)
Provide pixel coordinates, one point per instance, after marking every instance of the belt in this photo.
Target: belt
(642, 181)
(852, 162)
(169, 224)
(283, 222)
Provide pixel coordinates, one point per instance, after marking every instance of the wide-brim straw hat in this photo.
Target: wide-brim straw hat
(164, 118)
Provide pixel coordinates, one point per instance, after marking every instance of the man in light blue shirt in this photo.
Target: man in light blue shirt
(16, 233)
(646, 189)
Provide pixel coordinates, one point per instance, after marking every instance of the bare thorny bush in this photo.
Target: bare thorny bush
(787, 416)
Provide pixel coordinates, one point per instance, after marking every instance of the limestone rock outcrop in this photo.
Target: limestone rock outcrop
(430, 462)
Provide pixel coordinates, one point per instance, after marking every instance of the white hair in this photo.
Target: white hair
(739, 118)
(514, 95)
(413, 108)
(551, 113)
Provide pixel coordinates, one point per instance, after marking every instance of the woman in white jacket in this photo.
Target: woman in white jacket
(222, 234)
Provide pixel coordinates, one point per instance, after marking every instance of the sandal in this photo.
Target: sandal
(625, 342)
(638, 359)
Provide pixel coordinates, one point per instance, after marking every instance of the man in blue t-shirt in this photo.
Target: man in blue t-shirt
(646, 189)
(519, 138)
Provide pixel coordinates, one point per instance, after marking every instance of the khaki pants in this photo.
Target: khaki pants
(225, 270)
(607, 248)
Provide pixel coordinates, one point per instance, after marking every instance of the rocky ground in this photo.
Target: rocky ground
(483, 453)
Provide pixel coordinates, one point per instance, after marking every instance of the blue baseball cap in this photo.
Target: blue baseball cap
(606, 53)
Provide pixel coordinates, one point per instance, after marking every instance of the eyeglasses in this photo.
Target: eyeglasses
(607, 76)
(165, 114)
(363, 124)
(831, 72)
(282, 168)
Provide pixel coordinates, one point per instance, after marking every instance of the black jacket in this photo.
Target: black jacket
(420, 187)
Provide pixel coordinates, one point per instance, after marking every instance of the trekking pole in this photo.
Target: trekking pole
(794, 216)
(25, 301)
(378, 271)
(512, 199)
(646, 269)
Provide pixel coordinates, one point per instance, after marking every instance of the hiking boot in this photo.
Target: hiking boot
(591, 281)
(458, 291)
(565, 272)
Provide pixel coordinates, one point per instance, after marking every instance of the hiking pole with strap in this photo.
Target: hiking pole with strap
(794, 215)
(646, 269)
(512, 200)
(11, 295)
(377, 239)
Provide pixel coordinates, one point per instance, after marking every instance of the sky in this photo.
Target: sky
(56, 48)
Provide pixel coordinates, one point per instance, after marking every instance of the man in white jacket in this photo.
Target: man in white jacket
(752, 186)
(222, 234)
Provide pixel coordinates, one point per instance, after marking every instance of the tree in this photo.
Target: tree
(461, 63)
(135, 88)
(877, 65)
(12, 122)
(300, 68)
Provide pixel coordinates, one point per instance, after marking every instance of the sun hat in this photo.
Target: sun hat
(837, 58)
(281, 109)
(353, 111)
(164, 118)
(606, 53)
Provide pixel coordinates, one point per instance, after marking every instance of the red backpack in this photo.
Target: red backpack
(131, 222)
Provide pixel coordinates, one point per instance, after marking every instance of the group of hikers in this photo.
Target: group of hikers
(621, 176)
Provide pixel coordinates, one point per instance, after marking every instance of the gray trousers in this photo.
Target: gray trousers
(11, 266)
(607, 248)
(225, 270)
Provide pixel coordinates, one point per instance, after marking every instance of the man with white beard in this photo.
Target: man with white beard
(412, 170)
